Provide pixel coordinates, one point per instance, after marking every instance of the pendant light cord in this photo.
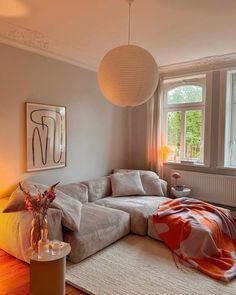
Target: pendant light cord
(129, 25)
(130, 3)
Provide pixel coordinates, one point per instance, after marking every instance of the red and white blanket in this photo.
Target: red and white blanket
(200, 235)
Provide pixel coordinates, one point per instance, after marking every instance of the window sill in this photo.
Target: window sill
(187, 164)
(226, 167)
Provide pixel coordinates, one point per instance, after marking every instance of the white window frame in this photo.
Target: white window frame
(205, 81)
(225, 119)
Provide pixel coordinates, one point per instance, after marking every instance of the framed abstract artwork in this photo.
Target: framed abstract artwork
(46, 136)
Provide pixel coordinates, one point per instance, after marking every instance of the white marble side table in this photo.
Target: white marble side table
(47, 271)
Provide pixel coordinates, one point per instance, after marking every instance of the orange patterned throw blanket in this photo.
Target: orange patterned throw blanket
(200, 235)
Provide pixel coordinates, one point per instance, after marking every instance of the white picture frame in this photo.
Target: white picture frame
(45, 136)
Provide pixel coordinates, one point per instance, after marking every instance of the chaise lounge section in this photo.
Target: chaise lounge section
(99, 228)
(139, 209)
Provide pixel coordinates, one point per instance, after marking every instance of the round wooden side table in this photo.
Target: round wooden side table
(47, 271)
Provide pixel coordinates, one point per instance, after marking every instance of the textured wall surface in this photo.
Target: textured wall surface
(97, 132)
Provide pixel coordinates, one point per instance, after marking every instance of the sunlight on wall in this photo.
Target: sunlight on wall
(10, 170)
(7, 181)
(13, 8)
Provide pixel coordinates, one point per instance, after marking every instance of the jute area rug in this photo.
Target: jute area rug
(140, 266)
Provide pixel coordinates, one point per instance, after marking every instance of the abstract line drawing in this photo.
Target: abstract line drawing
(45, 136)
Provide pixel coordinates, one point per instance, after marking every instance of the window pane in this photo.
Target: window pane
(233, 122)
(234, 87)
(185, 94)
(193, 127)
(173, 133)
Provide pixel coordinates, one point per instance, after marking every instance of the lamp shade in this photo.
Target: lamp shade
(128, 75)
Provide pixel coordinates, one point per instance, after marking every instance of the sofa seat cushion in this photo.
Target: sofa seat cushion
(99, 228)
(139, 209)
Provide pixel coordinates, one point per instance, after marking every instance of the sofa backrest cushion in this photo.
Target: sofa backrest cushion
(98, 188)
(70, 208)
(150, 181)
(141, 172)
(126, 184)
(77, 191)
(152, 185)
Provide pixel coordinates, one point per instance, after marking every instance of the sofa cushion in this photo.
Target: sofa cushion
(70, 208)
(99, 228)
(126, 184)
(15, 202)
(98, 188)
(164, 187)
(141, 172)
(151, 184)
(77, 191)
(139, 209)
(150, 180)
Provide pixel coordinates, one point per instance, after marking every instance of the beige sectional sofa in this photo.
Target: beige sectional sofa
(88, 215)
(106, 218)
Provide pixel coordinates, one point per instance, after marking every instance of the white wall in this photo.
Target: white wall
(138, 136)
(97, 133)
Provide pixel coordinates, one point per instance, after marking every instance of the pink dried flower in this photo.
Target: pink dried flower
(50, 195)
(28, 202)
(38, 197)
(176, 176)
(39, 203)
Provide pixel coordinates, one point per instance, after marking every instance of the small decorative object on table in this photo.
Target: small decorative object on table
(177, 176)
(38, 204)
(179, 191)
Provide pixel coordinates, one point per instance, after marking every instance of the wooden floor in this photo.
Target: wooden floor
(14, 277)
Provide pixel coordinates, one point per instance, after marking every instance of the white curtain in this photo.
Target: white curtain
(154, 131)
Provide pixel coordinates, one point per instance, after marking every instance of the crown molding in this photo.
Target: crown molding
(200, 65)
(39, 43)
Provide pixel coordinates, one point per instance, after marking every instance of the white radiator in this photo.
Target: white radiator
(209, 187)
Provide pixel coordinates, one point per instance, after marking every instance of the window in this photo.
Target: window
(184, 116)
(230, 121)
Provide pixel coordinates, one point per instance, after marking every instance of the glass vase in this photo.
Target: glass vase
(35, 233)
(43, 243)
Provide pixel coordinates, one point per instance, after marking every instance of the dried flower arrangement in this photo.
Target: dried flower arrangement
(38, 204)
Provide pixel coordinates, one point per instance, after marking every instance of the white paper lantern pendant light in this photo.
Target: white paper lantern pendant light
(128, 74)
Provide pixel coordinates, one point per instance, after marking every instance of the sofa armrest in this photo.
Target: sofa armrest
(15, 230)
(164, 187)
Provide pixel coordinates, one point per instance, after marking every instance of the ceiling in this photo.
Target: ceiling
(82, 31)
